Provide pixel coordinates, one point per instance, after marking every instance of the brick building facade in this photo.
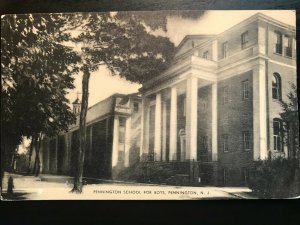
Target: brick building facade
(218, 104)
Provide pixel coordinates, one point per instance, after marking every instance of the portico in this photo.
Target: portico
(172, 105)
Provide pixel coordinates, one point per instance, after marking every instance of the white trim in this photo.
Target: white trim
(282, 64)
(157, 129)
(168, 83)
(191, 118)
(173, 125)
(127, 141)
(214, 124)
(115, 149)
(164, 130)
(142, 126)
(263, 111)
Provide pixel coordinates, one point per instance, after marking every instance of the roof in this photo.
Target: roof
(195, 36)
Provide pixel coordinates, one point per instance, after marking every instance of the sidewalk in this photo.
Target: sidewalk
(54, 187)
(240, 192)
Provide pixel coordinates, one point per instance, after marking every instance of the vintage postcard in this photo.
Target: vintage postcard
(149, 105)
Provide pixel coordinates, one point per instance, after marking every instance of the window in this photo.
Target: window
(225, 142)
(245, 89)
(205, 55)
(287, 46)
(276, 86)
(225, 49)
(225, 95)
(244, 39)
(277, 134)
(246, 140)
(278, 42)
(135, 106)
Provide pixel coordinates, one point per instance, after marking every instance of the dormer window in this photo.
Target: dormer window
(278, 42)
(205, 55)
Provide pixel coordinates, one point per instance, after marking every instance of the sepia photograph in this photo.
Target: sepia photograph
(149, 105)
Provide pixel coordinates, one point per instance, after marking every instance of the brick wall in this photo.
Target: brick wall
(204, 123)
(234, 117)
(233, 38)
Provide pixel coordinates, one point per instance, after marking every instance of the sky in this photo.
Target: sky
(103, 84)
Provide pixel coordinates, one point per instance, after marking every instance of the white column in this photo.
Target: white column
(173, 125)
(157, 130)
(147, 127)
(259, 113)
(142, 128)
(263, 111)
(164, 130)
(191, 118)
(127, 141)
(115, 142)
(214, 121)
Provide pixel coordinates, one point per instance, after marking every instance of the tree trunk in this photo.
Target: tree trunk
(82, 132)
(37, 156)
(30, 153)
(12, 162)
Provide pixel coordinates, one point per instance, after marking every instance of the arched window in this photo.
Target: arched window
(278, 134)
(276, 86)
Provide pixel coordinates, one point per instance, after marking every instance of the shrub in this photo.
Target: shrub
(132, 173)
(272, 178)
(150, 172)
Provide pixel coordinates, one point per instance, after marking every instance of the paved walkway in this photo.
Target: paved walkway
(51, 187)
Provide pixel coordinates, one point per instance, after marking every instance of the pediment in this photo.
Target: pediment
(191, 41)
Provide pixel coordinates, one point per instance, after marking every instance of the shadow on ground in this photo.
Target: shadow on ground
(15, 196)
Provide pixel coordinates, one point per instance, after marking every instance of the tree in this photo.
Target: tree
(291, 119)
(36, 73)
(290, 116)
(125, 43)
